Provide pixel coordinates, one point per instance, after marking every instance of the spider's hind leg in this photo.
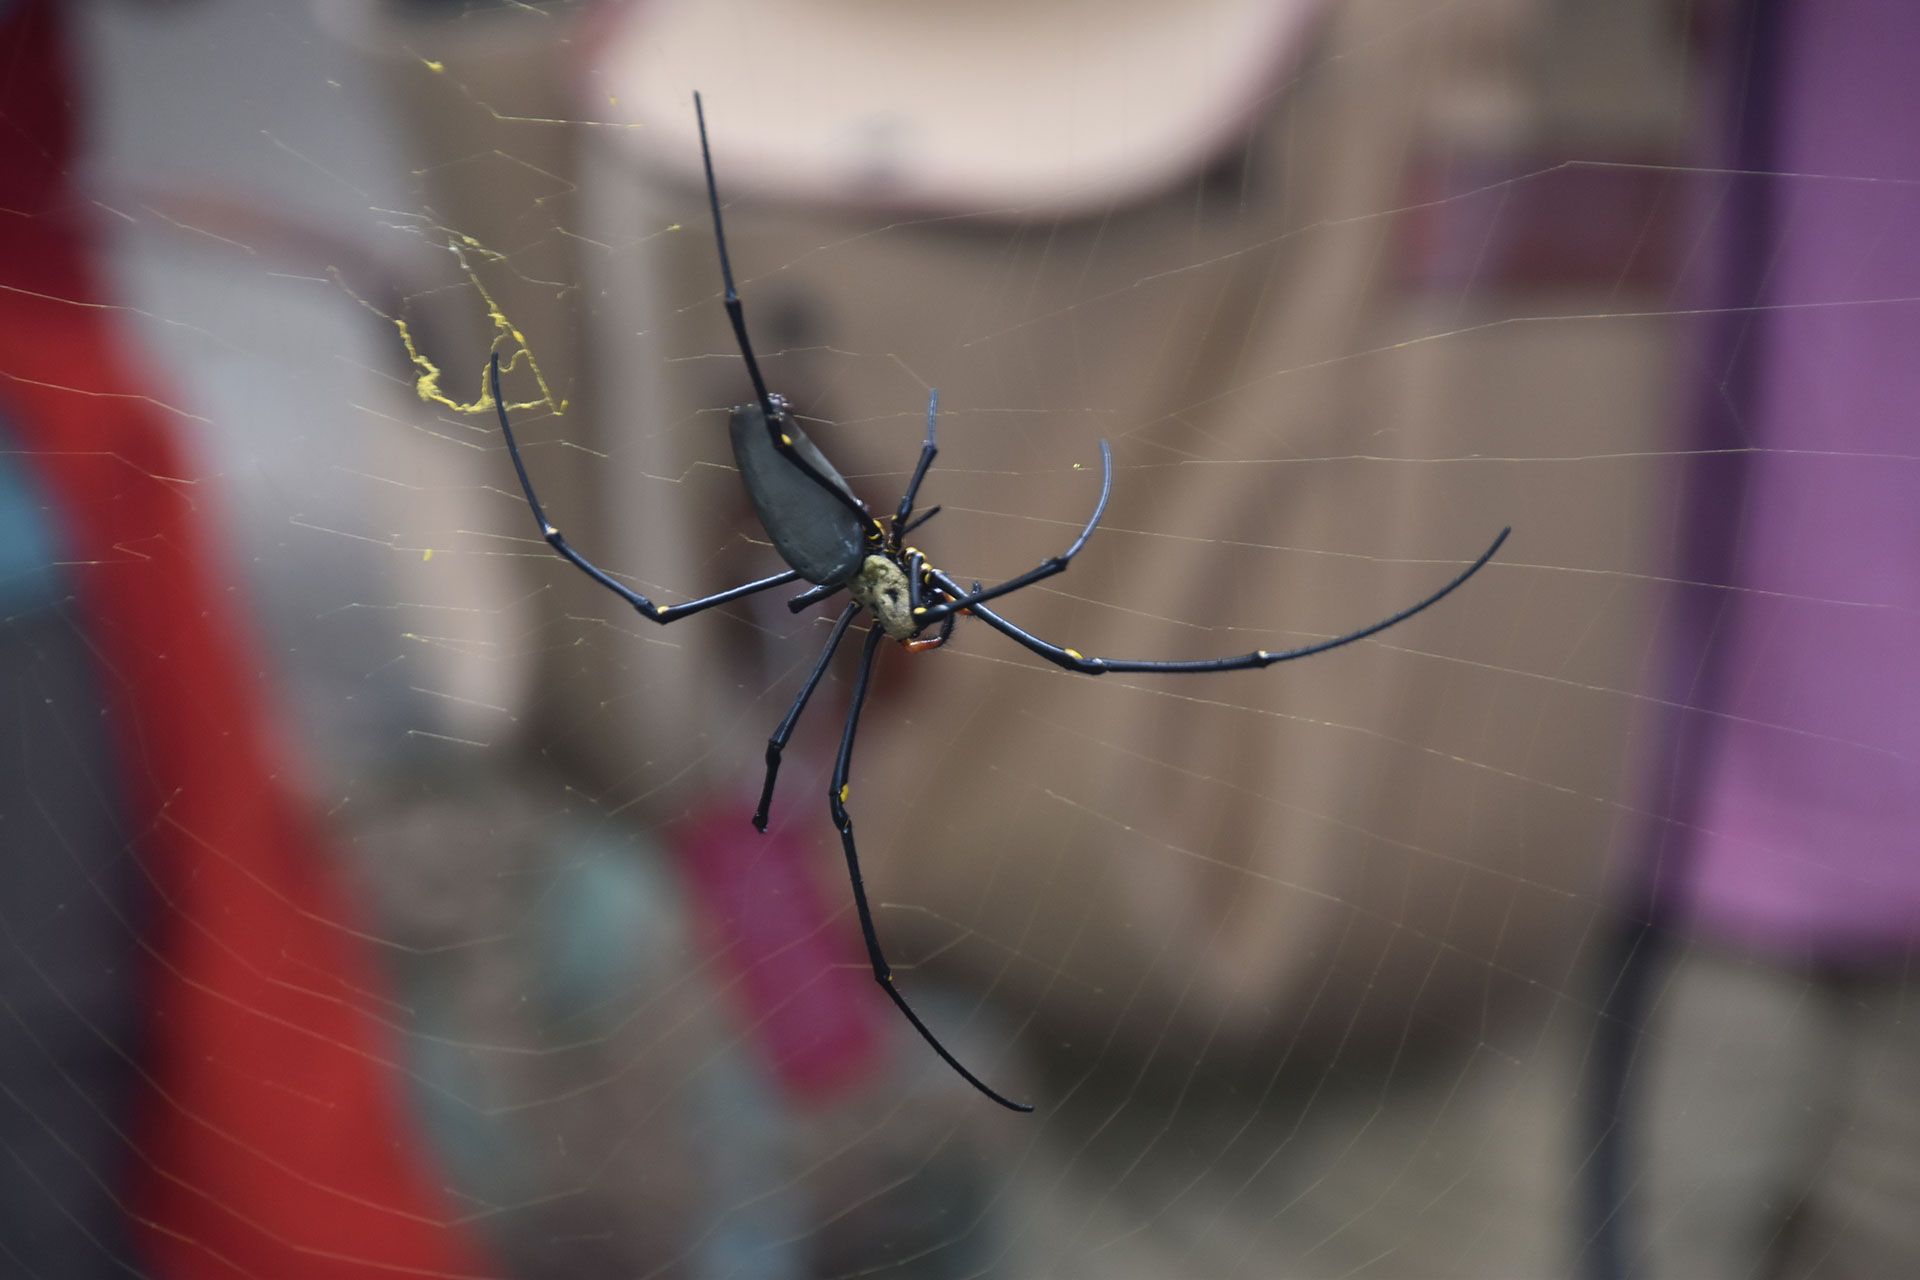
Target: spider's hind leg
(837, 802)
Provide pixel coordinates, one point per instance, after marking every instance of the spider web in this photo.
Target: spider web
(1304, 969)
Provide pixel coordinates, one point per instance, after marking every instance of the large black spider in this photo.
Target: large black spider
(825, 532)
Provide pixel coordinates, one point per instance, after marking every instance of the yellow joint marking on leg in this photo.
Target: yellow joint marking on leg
(1077, 655)
(786, 440)
(920, 610)
(844, 789)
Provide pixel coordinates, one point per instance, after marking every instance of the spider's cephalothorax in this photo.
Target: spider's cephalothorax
(882, 588)
(827, 537)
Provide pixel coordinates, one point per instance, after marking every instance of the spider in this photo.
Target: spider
(828, 537)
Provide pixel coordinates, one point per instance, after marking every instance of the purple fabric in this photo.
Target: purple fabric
(1799, 783)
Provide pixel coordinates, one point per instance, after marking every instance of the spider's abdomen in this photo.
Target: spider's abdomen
(810, 529)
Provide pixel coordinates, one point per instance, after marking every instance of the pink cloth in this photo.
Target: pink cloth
(1798, 802)
(794, 964)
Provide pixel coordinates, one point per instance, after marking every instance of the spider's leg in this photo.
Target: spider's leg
(916, 578)
(814, 595)
(777, 743)
(927, 452)
(837, 799)
(917, 574)
(734, 311)
(1046, 569)
(1074, 660)
(738, 316)
(919, 520)
(662, 614)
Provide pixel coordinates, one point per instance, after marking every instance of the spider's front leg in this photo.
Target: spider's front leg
(1074, 660)
(771, 406)
(1046, 568)
(843, 822)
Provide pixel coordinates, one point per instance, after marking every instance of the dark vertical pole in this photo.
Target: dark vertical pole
(1635, 953)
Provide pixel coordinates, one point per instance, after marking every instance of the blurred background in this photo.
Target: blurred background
(380, 897)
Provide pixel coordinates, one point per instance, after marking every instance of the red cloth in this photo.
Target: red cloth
(273, 1140)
